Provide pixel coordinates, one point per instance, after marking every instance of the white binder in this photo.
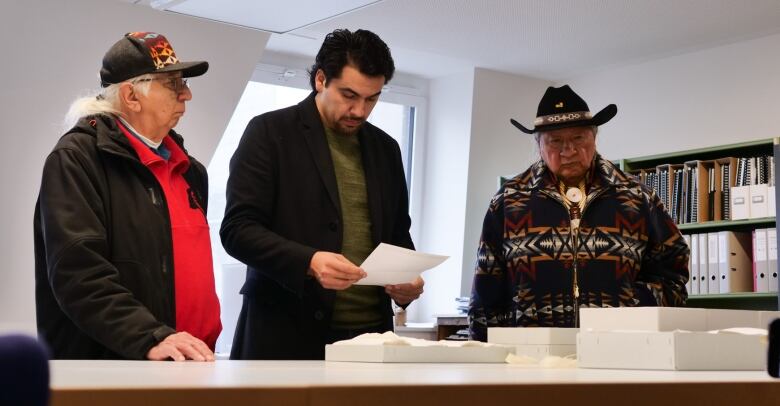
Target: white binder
(713, 278)
(759, 201)
(694, 265)
(703, 264)
(687, 239)
(771, 245)
(735, 266)
(740, 202)
(760, 266)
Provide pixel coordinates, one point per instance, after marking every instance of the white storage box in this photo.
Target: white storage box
(643, 318)
(670, 350)
(671, 318)
(399, 353)
(536, 342)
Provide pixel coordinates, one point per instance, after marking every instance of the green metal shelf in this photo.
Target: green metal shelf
(745, 301)
(739, 149)
(762, 222)
(768, 146)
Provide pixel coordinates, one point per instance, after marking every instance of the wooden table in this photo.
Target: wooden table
(292, 383)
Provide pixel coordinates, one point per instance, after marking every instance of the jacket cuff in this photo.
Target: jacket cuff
(158, 335)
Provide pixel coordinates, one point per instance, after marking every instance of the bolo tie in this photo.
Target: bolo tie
(574, 197)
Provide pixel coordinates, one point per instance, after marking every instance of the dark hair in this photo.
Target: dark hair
(363, 49)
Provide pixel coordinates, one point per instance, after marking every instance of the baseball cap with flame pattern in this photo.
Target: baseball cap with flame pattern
(139, 53)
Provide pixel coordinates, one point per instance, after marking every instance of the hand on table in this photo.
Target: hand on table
(180, 347)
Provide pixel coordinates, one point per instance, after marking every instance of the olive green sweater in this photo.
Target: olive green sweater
(357, 307)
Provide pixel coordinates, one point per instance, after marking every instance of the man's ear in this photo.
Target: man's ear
(128, 97)
(319, 80)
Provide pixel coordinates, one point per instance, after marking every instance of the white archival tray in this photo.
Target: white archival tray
(671, 318)
(540, 351)
(536, 342)
(407, 353)
(532, 335)
(670, 350)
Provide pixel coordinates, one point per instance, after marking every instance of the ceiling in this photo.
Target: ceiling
(548, 39)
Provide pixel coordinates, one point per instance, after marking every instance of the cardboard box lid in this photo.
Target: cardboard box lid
(671, 318)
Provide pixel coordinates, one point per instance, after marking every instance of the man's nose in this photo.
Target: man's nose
(185, 94)
(568, 146)
(358, 109)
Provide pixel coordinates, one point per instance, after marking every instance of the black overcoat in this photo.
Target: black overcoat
(282, 207)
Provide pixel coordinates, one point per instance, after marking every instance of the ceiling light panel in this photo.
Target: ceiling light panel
(273, 16)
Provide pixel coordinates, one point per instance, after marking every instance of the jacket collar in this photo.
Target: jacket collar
(314, 134)
(109, 137)
(604, 174)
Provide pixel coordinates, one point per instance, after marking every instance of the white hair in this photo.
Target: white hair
(104, 101)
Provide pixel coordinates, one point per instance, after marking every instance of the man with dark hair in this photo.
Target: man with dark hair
(313, 189)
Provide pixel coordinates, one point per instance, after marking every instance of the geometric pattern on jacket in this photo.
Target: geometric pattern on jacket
(629, 253)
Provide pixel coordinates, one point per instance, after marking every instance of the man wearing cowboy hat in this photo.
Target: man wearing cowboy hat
(572, 231)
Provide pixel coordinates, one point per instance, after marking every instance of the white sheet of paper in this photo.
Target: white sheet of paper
(391, 265)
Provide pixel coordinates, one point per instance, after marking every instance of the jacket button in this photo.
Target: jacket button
(319, 315)
(333, 226)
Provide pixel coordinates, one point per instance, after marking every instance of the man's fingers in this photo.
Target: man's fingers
(348, 269)
(204, 350)
(180, 347)
(336, 284)
(163, 351)
(189, 351)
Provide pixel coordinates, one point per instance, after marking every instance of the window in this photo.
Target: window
(397, 119)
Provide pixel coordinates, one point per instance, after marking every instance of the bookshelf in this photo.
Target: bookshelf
(771, 147)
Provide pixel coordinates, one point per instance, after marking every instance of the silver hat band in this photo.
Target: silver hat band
(562, 118)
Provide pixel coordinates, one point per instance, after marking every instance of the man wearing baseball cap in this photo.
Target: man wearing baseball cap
(572, 231)
(122, 249)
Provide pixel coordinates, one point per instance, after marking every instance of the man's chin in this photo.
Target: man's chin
(571, 176)
(347, 130)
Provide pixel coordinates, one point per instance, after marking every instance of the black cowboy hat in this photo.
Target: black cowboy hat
(560, 107)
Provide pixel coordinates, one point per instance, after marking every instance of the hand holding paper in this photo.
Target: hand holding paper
(334, 271)
(392, 265)
(404, 293)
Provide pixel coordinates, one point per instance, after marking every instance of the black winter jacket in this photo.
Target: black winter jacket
(104, 282)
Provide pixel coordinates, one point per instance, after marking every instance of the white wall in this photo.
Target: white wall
(52, 54)
(445, 163)
(497, 148)
(718, 96)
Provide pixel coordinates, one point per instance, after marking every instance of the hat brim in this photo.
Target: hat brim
(606, 114)
(187, 69)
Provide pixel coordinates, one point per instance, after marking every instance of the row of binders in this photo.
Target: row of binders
(733, 261)
(712, 190)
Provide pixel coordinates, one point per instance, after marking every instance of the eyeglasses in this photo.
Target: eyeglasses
(176, 84)
(558, 143)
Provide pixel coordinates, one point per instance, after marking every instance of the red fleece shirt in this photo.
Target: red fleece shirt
(197, 306)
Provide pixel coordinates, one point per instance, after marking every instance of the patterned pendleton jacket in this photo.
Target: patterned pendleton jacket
(630, 252)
